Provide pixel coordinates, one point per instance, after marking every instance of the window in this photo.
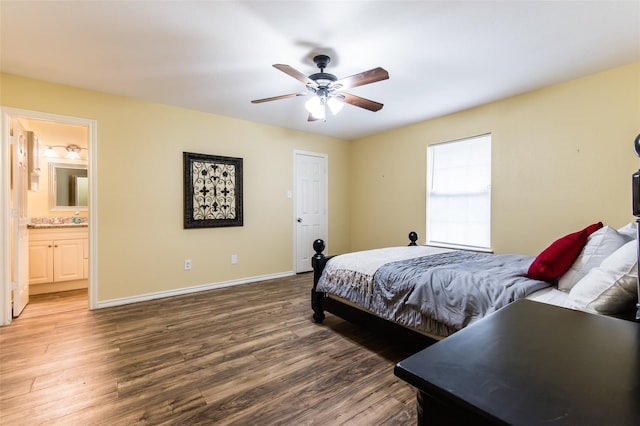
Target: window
(459, 193)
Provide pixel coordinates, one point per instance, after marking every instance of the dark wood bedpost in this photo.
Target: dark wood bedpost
(318, 261)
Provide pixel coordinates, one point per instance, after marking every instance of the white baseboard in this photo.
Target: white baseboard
(187, 290)
(57, 287)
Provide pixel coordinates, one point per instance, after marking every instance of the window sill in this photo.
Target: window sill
(460, 247)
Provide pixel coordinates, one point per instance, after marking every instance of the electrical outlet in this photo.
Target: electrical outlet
(187, 265)
(234, 259)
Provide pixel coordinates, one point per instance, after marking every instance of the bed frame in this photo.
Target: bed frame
(320, 303)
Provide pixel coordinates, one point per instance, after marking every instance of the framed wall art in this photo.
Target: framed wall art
(212, 190)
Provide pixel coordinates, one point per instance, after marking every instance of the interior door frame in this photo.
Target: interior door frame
(6, 114)
(325, 196)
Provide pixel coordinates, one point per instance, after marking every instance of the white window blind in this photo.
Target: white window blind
(459, 193)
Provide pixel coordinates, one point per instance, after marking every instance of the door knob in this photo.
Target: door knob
(299, 220)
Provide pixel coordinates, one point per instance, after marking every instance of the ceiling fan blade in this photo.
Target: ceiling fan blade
(365, 77)
(295, 74)
(276, 98)
(360, 102)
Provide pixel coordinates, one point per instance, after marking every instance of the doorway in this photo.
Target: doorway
(310, 205)
(40, 124)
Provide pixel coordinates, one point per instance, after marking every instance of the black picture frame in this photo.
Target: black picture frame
(212, 191)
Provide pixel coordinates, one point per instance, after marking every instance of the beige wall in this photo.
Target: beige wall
(142, 243)
(562, 158)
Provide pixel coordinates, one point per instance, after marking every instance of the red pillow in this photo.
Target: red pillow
(556, 259)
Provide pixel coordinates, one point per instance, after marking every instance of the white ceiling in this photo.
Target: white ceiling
(216, 56)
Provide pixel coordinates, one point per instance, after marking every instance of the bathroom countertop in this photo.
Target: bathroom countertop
(56, 225)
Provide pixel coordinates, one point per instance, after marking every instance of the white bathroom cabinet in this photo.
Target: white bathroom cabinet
(58, 259)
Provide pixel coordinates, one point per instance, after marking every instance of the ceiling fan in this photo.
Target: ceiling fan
(327, 91)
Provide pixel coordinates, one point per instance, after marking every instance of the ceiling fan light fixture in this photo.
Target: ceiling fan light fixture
(326, 89)
(320, 112)
(316, 107)
(335, 105)
(312, 104)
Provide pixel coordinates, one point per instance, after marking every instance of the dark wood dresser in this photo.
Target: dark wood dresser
(531, 363)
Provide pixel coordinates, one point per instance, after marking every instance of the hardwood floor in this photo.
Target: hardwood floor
(249, 354)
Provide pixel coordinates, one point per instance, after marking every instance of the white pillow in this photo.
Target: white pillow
(599, 246)
(611, 287)
(630, 231)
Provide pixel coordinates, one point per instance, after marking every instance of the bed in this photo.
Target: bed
(430, 293)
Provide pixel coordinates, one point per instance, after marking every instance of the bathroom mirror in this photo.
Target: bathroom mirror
(68, 186)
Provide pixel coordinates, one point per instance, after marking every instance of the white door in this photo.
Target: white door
(19, 219)
(310, 198)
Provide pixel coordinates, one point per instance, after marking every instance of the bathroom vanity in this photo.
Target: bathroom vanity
(58, 257)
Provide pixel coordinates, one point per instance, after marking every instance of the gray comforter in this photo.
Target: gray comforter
(440, 293)
(455, 288)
